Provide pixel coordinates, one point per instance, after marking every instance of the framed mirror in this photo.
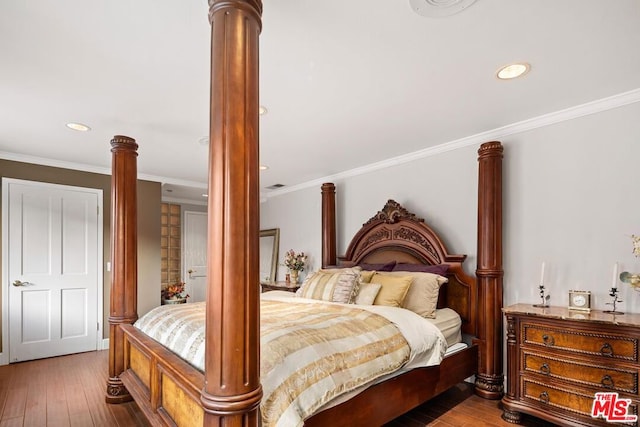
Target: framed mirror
(269, 244)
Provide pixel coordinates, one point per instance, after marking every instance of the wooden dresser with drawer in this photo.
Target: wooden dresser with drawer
(557, 360)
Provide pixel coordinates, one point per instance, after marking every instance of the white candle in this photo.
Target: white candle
(542, 275)
(614, 283)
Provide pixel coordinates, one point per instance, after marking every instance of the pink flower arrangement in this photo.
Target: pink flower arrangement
(294, 261)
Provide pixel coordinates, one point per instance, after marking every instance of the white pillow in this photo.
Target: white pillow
(367, 293)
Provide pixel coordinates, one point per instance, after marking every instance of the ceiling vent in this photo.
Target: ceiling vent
(275, 186)
(438, 8)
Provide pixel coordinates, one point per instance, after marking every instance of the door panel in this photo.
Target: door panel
(76, 217)
(74, 313)
(36, 312)
(30, 233)
(53, 251)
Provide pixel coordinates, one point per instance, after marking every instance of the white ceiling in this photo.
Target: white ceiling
(367, 79)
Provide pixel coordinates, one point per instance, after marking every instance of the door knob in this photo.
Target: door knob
(19, 283)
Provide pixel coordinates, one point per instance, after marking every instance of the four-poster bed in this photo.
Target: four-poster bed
(172, 392)
(167, 388)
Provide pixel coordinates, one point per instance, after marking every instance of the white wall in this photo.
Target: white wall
(298, 217)
(571, 199)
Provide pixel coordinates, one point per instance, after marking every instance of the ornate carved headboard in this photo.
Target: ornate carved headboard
(395, 234)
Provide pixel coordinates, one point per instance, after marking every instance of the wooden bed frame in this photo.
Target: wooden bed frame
(171, 392)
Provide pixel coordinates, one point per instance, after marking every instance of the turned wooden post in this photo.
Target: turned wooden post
(513, 371)
(232, 390)
(124, 258)
(328, 224)
(490, 378)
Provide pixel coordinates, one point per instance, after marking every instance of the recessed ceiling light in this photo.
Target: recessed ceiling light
(264, 167)
(262, 110)
(78, 126)
(512, 71)
(204, 140)
(205, 195)
(439, 8)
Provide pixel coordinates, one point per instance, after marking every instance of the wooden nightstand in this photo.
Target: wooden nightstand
(279, 286)
(558, 359)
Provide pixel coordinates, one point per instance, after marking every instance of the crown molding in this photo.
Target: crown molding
(43, 161)
(571, 113)
(567, 114)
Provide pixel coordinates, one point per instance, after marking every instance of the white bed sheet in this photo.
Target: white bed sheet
(450, 324)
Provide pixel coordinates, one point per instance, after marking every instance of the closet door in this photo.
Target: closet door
(53, 269)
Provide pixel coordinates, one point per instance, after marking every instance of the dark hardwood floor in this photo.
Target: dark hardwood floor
(460, 407)
(69, 391)
(62, 391)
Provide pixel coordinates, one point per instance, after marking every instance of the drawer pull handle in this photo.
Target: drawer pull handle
(606, 349)
(545, 369)
(607, 382)
(544, 397)
(548, 340)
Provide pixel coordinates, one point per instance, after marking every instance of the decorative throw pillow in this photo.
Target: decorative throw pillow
(367, 293)
(378, 267)
(394, 289)
(336, 285)
(365, 276)
(439, 269)
(422, 297)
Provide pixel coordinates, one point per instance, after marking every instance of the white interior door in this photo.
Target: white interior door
(54, 238)
(194, 253)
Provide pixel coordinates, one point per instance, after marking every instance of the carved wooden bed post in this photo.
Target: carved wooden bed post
(232, 390)
(490, 378)
(124, 250)
(328, 224)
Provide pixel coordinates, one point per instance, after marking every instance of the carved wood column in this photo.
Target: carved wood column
(232, 390)
(490, 378)
(328, 224)
(513, 371)
(124, 258)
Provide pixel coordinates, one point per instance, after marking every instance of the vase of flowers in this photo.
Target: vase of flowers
(295, 264)
(174, 294)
